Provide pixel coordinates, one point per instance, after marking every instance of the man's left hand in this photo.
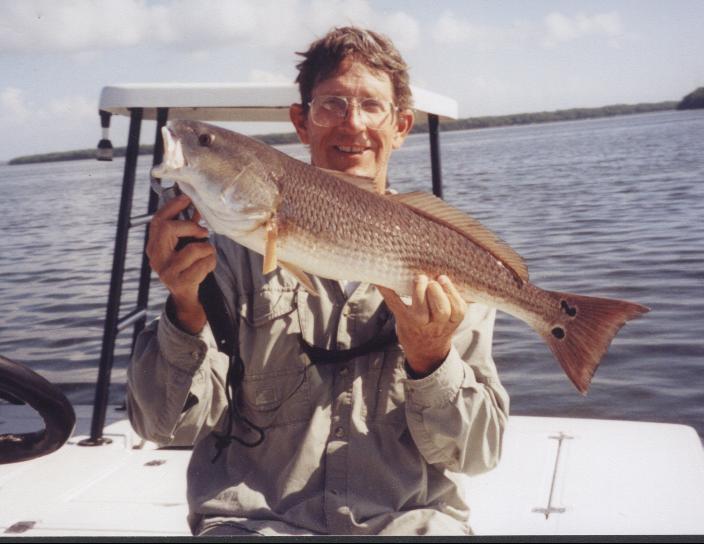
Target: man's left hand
(425, 328)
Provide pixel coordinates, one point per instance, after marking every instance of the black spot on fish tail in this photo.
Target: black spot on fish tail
(558, 332)
(569, 310)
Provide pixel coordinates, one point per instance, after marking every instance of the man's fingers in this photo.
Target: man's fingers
(176, 229)
(195, 274)
(439, 307)
(163, 237)
(179, 273)
(419, 301)
(457, 304)
(187, 228)
(432, 302)
(172, 208)
(190, 254)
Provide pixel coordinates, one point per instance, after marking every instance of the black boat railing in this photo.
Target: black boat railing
(137, 316)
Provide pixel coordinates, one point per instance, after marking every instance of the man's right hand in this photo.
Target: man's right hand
(181, 271)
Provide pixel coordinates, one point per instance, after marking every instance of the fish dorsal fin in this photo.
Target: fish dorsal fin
(368, 184)
(441, 212)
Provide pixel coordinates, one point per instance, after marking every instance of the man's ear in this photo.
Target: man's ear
(299, 120)
(404, 124)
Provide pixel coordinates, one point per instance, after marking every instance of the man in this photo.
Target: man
(369, 445)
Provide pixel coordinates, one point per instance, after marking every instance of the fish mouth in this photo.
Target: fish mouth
(173, 159)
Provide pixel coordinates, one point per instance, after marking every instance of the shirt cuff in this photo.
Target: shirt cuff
(442, 385)
(183, 350)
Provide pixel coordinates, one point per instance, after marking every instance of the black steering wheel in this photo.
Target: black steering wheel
(20, 385)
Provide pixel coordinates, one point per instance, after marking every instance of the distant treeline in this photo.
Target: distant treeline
(693, 101)
(550, 116)
(79, 154)
(460, 124)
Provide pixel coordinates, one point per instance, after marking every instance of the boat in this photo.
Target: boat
(81, 471)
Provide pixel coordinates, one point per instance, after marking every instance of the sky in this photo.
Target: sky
(494, 57)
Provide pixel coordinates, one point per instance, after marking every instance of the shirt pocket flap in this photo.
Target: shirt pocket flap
(271, 400)
(267, 305)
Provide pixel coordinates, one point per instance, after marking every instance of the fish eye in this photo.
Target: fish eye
(205, 139)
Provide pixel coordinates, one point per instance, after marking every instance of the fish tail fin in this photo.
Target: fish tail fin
(582, 329)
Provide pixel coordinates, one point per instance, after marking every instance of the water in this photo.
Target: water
(608, 207)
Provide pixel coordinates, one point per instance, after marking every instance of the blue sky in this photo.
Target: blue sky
(493, 56)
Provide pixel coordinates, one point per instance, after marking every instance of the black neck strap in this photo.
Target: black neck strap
(320, 356)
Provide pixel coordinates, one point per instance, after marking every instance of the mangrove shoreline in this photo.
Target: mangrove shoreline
(468, 123)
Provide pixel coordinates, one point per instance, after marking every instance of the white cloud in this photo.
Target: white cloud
(555, 28)
(403, 29)
(18, 110)
(88, 25)
(71, 26)
(13, 105)
(451, 30)
(561, 28)
(63, 122)
(322, 15)
(74, 107)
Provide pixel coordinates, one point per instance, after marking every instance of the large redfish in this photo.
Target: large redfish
(315, 221)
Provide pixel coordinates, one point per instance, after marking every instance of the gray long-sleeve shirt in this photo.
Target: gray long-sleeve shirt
(353, 448)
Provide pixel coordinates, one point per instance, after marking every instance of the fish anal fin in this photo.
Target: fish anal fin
(368, 184)
(301, 276)
(441, 212)
(270, 247)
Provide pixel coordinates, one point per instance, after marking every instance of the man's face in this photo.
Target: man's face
(351, 146)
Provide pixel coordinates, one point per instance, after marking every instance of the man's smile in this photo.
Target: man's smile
(351, 149)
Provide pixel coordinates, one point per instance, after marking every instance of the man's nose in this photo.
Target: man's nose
(354, 118)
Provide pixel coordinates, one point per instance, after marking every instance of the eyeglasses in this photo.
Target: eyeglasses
(330, 111)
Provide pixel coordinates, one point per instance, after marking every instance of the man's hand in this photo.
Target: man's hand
(425, 327)
(181, 271)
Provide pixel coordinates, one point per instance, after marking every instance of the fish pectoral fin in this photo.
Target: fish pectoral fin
(436, 209)
(270, 247)
(301, 276)
(368, 184)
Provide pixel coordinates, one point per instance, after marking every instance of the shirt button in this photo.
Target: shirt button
(339, 432)
(195, 355)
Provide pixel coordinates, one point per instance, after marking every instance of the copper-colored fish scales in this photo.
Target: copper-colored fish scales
(311, 220)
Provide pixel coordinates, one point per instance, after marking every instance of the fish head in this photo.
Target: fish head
(226, 175)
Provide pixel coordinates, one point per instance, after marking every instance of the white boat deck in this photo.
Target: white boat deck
(125, 488)
(612, 477)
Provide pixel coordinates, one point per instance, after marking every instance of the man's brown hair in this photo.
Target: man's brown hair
(374, 50)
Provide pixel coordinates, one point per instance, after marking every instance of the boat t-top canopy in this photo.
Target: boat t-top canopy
(251, 102)
(214, 102)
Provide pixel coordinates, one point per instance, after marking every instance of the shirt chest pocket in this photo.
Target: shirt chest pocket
(275, 390)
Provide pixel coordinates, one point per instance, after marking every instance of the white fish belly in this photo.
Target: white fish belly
(345, 263)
